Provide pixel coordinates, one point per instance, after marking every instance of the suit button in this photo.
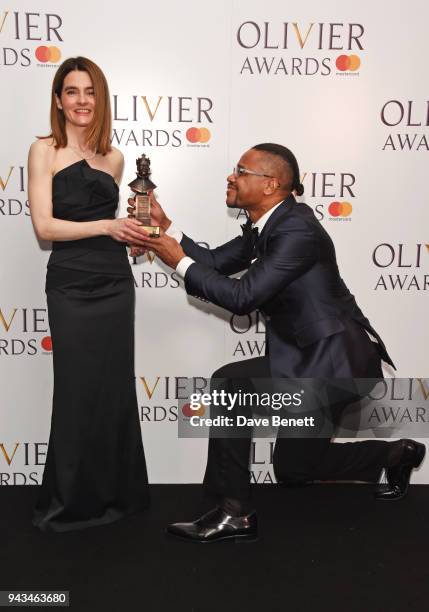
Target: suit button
(267, 318)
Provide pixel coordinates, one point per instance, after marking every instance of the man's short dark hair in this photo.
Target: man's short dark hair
(287, 156)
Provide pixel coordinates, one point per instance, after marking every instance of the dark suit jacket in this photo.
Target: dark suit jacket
(294, 282)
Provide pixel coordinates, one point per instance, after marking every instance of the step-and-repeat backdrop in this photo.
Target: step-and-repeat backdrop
(193, 85)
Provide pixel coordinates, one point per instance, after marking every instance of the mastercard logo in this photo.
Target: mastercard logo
(48, 54)
(347, 62)
(46, 343)
(190, 412)
(340, 209)
(198, 135)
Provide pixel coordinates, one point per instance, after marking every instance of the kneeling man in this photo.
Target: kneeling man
(314, 329)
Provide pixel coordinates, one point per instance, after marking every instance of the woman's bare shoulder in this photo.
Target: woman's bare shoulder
(116, 156)
(43, 147)
(115, 160)
(43, 152)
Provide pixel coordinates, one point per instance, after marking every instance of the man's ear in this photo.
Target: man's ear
(271, 186)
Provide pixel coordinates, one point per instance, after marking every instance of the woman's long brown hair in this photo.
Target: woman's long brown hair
(99, 130)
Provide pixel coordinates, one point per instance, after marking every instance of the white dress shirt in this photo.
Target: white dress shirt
(186, 261)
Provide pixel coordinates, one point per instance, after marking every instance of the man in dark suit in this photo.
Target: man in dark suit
(314, 329)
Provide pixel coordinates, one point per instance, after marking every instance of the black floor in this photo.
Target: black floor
(323, 547)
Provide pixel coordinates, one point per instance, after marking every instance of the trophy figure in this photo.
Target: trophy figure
(141, 187)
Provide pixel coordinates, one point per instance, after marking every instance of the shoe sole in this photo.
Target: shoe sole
(238, 539)
(392, 499)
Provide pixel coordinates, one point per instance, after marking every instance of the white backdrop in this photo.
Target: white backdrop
(248, 72)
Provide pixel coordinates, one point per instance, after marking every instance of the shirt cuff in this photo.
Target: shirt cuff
(175, 233)
(183, 266)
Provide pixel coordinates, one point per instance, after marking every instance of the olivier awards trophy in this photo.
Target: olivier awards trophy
(141, 186)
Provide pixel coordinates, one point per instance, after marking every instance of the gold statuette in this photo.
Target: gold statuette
(141, 186)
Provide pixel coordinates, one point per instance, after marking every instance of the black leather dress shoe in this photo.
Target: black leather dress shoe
(398, 476)
(217, 525)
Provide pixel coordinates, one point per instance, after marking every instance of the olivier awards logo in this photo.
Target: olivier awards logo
(18, 458)
(329, 194)
(395, 408)
(407, 122)
(149, 279)
(162, 121)
(248, 335)
(261, 462)
(159, 396)
(24, 331)
(13, 200)
(292, 49)
(26, 39)
(401, 267)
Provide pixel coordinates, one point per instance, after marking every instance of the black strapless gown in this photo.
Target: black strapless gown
(95, 469)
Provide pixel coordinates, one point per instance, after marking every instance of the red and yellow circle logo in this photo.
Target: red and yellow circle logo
(195, 135)
(347, 62)
(189, 412)
(46, 343)
(48, 54)
(340, 209)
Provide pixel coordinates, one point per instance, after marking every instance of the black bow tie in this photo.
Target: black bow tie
(248, 230)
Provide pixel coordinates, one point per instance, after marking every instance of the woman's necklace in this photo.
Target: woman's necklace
(79, 153)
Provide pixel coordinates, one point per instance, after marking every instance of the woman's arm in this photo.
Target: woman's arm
(117, 160)
(40, 171)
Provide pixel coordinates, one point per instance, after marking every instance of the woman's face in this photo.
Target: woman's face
(77, 99)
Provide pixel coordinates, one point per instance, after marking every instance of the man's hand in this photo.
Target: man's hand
(157, 214)
(166, 247)
(137, 251)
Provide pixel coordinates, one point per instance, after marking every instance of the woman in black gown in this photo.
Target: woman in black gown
(95, 470)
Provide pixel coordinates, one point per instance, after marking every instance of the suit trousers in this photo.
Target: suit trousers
(296, 460)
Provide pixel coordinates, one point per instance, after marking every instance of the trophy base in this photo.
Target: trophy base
(152, 230)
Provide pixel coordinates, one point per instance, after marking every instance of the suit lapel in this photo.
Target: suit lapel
(285, 207)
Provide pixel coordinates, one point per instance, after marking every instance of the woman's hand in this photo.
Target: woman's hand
(126, 230)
